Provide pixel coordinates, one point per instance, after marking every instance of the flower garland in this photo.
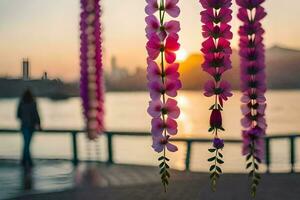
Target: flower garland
(163, 78)
(216, 49)
(91, 81)
(253, 85)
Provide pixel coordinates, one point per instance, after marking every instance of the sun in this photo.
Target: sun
(181, 54)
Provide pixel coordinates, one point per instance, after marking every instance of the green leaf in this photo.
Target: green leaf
(255, 181)
(256, 166)
(257, 176)
(212, 167)
(168, 174)
(161, 158)
(248, 165)
(251, 173)
(220, 161)
(166, 165)
(218, 169)
(221, 155)
(221, 128)
(248, 157)
(211, 159)
(212, 175)
(211, 150)
(161, 164)
(167, 159)
(162, 170)
(212, 107)
(210, 129)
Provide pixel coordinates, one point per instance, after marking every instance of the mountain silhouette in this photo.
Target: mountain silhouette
(282, 69)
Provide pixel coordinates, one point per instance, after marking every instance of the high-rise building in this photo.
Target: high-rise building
(26, 69)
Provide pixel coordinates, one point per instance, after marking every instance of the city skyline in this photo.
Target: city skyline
(47, 33)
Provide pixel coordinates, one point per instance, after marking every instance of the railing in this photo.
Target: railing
(189, 141)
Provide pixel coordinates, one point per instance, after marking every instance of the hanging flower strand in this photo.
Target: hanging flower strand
(253, 85)
(91, 81)
(216, 49)
(163, 77)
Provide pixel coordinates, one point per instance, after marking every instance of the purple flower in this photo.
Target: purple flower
(253, 140)
(218, 143)
(210, 16)
(216, 4)
(224, 89)
(160, 142)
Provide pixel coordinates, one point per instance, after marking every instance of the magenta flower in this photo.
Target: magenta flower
(91, 80)
(249, 4)
(209, 16)
(216, 49)
(223, 46)
(154, 47)
(215, 119)
(216, 4)
(215, 31)
(160, 142)
(163, 77)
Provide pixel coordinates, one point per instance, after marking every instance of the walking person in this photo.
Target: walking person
(30, 121)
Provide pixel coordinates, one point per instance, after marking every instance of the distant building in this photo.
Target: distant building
(117, 73)
(26, 69)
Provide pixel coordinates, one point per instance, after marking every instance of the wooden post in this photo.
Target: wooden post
(74, 145)
(188, 155)
(110, 159)
(292, 153)
(268, 155)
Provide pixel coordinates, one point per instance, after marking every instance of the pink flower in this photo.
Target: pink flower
(253, 136)
(216, 61)
(157, 88)
(170, 108)
(215, 119)
(158, 126)
(154, 72)
(160, 142)
(152, 7)
(171, 72)
(224, 89)
(215, 31)
(171, 8)
(153, 26)
(155, 46)
(210, 16)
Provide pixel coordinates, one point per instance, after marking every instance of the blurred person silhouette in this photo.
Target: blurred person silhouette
(29, 117)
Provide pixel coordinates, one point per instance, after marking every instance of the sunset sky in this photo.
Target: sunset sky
(46, 31)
